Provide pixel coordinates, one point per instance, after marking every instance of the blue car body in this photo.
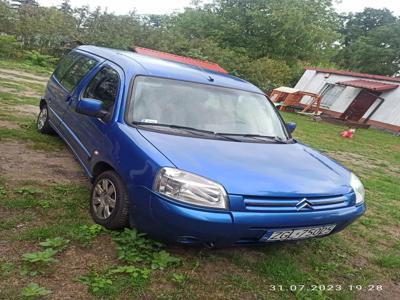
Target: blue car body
(264, 181)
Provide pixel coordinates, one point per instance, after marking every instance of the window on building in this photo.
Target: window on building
(330, 94)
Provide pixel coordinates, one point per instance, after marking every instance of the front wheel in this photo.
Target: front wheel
(109, 201)
(43, 124)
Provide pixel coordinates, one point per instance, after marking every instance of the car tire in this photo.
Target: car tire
(109, 201)
(42, 122)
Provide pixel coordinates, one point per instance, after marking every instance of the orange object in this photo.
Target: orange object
(348, 133)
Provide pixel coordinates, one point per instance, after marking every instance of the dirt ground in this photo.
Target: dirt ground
(8, 124)
(19, 162)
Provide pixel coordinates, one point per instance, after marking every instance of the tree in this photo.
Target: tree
(378, 52)
(359, 24)
(66, 7)
(281, 29)
(371, 42)
(20, 3)
(7, 17)
(268, 73)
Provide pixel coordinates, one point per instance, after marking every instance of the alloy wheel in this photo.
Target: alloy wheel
(42, 118)
(104, 198)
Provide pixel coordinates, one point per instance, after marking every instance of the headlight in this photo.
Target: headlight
(190, 188)
(358, 188)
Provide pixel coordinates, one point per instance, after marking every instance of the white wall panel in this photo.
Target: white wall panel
(314, 82)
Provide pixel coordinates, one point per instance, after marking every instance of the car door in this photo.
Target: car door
(105, 85)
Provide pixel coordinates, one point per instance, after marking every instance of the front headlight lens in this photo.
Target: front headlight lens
(190, 188)
(358, 188)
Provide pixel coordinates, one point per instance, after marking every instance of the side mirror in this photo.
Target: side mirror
(291, 126)
(91, 107)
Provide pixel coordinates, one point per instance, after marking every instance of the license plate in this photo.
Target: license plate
(297, 234)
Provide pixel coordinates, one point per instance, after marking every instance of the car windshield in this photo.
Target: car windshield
(157, 101)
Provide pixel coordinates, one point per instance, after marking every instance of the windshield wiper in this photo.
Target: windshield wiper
(189, 129)
(260, 137)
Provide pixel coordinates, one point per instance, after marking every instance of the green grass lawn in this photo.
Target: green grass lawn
(24, 66)
(87, 261)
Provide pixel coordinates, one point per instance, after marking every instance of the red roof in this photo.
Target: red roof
(354, 74)
(369, 85)
(182, 59)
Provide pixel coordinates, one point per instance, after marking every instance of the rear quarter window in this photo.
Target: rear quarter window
(77, 71)
(64, 64)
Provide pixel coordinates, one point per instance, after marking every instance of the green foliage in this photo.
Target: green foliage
(57, 243)
(163, 259)
(138, 276)
(389, 260)
(98, 284)
(34, 291)
(86, 234)
(371, 42)
(360, 24)
(37, 59)
(37, 261)
(29, 199)
(6, 268)
(133, 247)
(2, 191)
(40, 258)
(179, 278)
(268, 73)
(9, 46)
(29, 191)
(105, 283)
(378, 52)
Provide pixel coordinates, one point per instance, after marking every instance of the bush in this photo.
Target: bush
(9, 46)
(37, 59)
(268, 73)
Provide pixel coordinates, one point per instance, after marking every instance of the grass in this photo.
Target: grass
(26, 87)
(36, 216)
(13, 99)
(24, 66)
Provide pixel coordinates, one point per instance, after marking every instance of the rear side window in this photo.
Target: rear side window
(64, 64)
(104, 87)
(77, 71)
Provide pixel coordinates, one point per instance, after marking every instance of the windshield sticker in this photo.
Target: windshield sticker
(150, 121)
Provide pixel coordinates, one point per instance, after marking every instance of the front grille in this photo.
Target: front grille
(295, 204)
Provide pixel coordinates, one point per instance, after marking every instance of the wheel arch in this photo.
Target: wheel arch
(101, 167)
(42, 103)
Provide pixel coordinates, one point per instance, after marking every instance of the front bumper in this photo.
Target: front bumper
(173, 222)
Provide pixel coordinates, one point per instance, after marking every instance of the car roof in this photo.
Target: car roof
(137, 64)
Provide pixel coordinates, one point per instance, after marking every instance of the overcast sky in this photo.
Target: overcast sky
(168, 6)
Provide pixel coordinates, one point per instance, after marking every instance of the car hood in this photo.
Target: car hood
(267, 169)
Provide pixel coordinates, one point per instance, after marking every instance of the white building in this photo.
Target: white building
(356, 97)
